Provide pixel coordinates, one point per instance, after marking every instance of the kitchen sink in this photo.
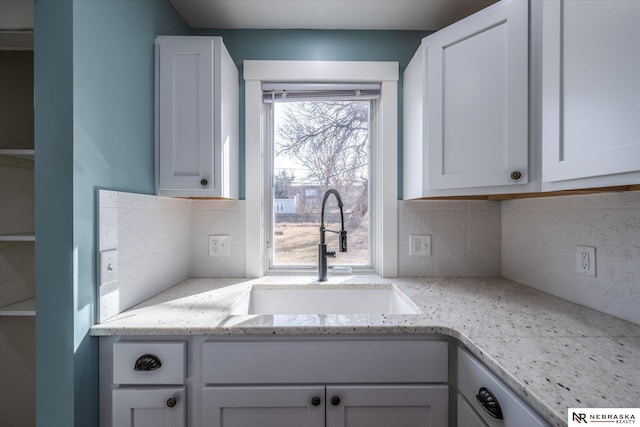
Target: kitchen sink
(324, 299)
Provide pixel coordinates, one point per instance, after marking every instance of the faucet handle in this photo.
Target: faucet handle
(331, 254)
(343, 241)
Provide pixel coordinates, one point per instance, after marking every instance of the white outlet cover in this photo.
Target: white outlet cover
(586, 260)
(108, 266)
(420, 244)
(220, 245)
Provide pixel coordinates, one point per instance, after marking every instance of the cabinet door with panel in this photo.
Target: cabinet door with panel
(387, 405)
(197, 100)
(591, 93)
(466, 106)
(262, 406)
(149, 407)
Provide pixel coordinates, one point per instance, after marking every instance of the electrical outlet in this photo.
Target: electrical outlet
(220, 245)
(108, 266)
(420, 244)
(586, 260)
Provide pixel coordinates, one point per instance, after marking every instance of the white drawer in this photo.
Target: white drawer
(324, 361)
(472, 376)
(171, 357)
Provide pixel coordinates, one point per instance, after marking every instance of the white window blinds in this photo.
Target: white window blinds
(283, 92)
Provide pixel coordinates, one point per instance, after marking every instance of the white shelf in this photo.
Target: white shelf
(17, 158)
(21, 237)
(19, 154)
(22, 308)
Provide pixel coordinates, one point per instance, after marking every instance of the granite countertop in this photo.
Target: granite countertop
(553, 353)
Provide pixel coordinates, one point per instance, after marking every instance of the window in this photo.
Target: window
(317, 145)
(384, 156)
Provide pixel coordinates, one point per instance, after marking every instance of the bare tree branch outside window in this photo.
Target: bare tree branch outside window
(328, 141)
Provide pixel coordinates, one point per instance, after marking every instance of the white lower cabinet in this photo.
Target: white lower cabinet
(356, 381)
(325, 382)
(484, 400)
(143, 383)
(330, 406)
(144, 407)
(256, 406)
(387, 405)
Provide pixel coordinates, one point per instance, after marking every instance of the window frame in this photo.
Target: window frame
(384, 158)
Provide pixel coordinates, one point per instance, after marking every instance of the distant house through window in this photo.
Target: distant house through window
(318, 145)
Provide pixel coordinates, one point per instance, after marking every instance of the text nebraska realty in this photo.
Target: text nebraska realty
(604, 418)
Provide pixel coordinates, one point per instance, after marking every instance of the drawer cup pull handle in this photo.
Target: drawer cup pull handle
(147, 362)
(315, 401)
(489, 403)
(335, 400)
(171, 402)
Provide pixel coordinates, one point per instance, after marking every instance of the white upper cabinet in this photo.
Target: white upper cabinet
(591, 93)
(197, 101)
(466, 107)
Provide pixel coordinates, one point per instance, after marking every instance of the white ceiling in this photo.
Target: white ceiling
(327, 14)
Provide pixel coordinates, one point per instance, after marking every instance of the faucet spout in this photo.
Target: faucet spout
(322, 246)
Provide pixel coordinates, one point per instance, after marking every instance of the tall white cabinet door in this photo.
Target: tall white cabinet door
(290, 406)
(591, 89)
(185, 112)
(384, 406)
(477, 99)
(149, 407)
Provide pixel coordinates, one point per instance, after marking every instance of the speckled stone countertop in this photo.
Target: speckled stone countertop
(553, 353)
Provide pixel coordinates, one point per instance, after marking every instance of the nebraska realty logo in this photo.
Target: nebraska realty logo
(598, 416)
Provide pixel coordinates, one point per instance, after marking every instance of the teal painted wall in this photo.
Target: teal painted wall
(94, 67)
(329, 45)
(53, 121)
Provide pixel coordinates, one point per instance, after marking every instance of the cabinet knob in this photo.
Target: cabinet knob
(171, 402)
(515, 175)
(489, 403)
(204, 182)
(147, 362)
(335, 400)
(315, 401)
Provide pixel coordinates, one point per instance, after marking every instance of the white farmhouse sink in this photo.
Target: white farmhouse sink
(324, 299)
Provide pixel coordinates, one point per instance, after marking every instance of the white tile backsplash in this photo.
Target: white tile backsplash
(214, 217)
(539, 239)
(465, 237)
(162, 241)
(152, 236)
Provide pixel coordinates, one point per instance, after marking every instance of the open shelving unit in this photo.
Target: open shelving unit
(17, 216)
